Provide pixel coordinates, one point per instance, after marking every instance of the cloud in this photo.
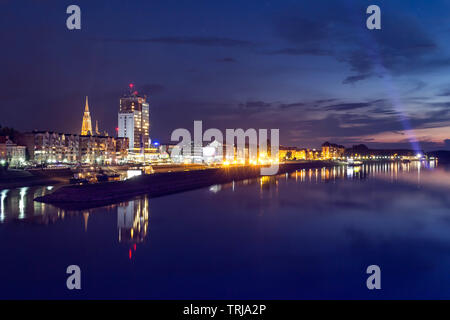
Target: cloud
(309, 123)
(301, 51)
(445, 93)
(340, 31)
(291, 105)
(255, 105)
(347, 106)
(359, 77)
(325, 100)
(197, 41)
(447, 143)
(418, 85)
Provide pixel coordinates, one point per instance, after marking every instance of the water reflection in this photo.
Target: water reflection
(18, 204)
(410, 172)
(132, 216)
(132, 222)
(2, 204)
(306, 234)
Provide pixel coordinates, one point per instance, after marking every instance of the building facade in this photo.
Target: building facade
(3, 148)
(97, 149)
(134, 122)
(52, 147)
(122, 146)
(292, 153)
(332, 151)
(12, 153)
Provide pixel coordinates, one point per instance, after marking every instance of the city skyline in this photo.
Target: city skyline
(86, 122)
(263, 65)
(225, 159)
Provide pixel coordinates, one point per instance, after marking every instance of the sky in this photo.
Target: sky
(309, 68)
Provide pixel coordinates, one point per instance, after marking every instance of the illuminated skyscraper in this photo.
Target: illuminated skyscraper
(86, 127)
(133, 121)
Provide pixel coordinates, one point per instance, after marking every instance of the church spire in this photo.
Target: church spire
(86, 127)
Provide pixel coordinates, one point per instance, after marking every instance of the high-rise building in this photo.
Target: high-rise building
(86, 127)
(133, 121)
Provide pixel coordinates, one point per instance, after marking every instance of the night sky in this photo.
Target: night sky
(310, 68)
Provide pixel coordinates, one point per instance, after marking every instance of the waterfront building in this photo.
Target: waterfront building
(102, 150)
(134, 123)
(122, 146)
(53, 147)
(300, 154)
(166, 149)
(286, 153)
(332, 151)
(312, 154)
(69, 147)
(11, 152)
(292, 153)
(50, 147)
(213, 152)
(86, 127)
(3, 148)
(361, 151)
(97, 149)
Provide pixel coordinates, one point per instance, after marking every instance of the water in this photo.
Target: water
(307, 235)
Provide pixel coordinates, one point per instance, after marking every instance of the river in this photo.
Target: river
(309, 234)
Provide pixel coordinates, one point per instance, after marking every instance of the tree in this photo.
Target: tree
(10, 132)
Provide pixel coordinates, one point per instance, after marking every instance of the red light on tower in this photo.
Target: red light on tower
(117, 129)
(131, 85)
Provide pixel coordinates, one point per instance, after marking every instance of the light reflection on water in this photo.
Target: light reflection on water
(18, 204)
(256, 238)
(132, 216)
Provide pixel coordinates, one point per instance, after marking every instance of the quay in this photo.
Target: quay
(159, 184)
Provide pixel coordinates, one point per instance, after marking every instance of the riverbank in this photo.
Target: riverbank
(159, 184)
(22, 178)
